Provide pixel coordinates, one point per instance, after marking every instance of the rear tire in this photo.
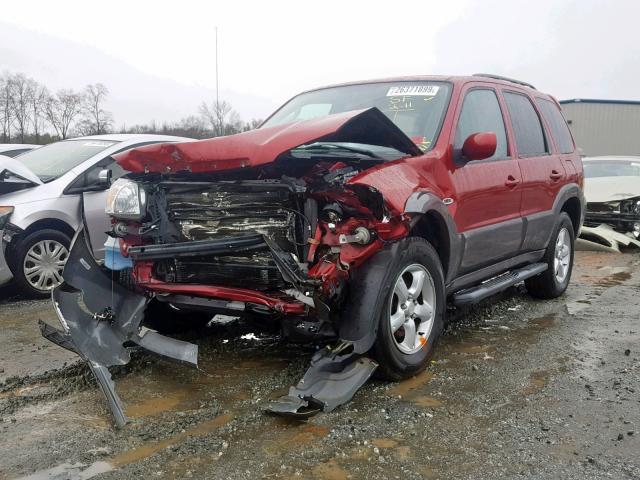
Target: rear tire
(559, 257)
(37, 262)
(411, 319)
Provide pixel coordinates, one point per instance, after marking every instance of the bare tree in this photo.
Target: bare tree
(38, 106)
(21, 96)
(252, 124)
(6, 112)
(96, 120)
(62, 109)
(219, 115)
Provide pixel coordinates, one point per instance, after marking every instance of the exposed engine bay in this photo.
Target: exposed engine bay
(291, 230)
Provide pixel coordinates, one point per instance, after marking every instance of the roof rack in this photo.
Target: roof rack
(506, 79)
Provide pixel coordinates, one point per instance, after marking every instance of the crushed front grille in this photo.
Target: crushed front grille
(219, 210)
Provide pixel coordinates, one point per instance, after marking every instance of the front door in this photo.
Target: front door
(487, 207)
(95, 219)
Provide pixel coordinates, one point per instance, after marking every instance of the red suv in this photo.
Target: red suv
(352, 216)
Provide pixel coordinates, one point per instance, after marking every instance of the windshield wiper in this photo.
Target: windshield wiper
(337, 147)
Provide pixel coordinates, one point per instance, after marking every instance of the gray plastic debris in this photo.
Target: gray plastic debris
(98, 317)
(332, 380)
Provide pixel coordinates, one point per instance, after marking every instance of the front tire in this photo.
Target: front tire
(411, 319)
(38, 261)
(559, 257)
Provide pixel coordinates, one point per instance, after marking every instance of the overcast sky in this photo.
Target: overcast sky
(158, 57)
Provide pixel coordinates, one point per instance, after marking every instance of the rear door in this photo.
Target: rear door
(543, 172)
(487, 207)
(564, 144)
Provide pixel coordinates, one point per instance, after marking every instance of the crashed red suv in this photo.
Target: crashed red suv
(352, 216)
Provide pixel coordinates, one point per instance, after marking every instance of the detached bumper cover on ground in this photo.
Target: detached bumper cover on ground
(98, 317)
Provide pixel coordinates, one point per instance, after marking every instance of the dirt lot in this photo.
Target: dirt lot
(517, 388)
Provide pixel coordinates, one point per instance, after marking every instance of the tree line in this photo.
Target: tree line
(31, 113)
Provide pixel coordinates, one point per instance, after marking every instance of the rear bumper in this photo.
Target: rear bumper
(5, 272)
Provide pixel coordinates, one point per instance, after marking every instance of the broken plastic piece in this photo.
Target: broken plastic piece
(98, 317)
(331, 380)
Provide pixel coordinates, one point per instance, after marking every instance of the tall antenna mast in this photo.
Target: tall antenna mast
(217, 98)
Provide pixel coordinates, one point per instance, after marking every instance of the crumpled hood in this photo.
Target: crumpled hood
(14, 175)
(610, 189)
(264, 145)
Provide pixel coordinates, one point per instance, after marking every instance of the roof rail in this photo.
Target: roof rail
(506, 79)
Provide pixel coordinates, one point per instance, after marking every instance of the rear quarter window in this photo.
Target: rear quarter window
(527, 128)
(558, 125)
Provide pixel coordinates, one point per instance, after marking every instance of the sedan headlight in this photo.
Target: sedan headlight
(5, 213)
(631, 206)
(125, 199)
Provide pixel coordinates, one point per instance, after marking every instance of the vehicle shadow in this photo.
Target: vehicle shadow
(10, 294)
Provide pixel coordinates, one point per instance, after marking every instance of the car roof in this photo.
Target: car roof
(456, 79)
(613, 158)
(17, 146)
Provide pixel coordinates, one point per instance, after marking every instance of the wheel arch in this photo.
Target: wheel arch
(433, 222)
(570, 199)
(51, 224)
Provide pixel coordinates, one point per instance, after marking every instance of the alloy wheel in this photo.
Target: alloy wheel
(562, 255)
(412, 308)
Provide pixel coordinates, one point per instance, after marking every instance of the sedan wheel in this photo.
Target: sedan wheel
(43, 264)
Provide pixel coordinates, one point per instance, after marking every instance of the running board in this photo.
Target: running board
(497, 284)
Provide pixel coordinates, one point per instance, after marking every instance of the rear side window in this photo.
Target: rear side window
(559, 129)
(481, 113)
(526, 125)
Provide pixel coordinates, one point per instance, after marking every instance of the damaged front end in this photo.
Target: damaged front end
(275, 238)
(621, 215)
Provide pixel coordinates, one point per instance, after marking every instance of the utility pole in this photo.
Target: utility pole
(217, 97)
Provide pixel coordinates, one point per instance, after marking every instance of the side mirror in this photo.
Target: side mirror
(104, 177)
(96, 180)
(479, 146)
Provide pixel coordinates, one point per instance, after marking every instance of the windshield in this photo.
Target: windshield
(611, 169)
(417, 108)
(53, 161)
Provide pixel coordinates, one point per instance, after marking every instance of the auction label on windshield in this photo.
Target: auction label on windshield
(419, 90)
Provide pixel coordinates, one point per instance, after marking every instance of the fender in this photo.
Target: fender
(568, 191)
(423, 202)
(370, 284)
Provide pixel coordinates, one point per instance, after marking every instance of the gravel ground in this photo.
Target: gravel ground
(517, 388)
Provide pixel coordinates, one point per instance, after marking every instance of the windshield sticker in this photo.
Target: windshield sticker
(401, 104)
(416, 90)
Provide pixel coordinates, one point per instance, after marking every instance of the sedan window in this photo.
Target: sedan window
(53, 161)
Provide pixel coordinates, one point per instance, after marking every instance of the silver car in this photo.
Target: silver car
(43, 195)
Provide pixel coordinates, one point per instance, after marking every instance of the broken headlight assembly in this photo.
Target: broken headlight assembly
(126, 199)
(5, 213)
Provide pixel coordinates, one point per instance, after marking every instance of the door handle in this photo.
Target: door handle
(511, 182)
(555, 175)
